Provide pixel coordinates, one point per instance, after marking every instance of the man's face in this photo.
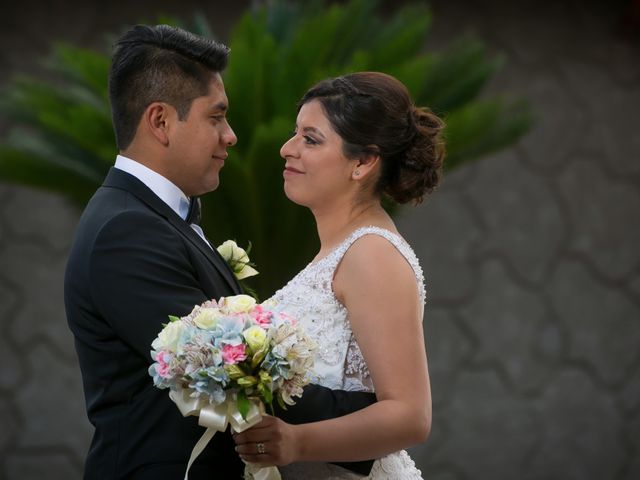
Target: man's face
(198, 143)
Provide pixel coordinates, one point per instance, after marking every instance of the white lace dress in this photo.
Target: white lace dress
(309, 297)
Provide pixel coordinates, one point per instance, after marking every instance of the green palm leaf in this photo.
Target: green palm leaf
(61, 137)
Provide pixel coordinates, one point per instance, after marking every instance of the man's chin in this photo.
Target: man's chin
(211, 185)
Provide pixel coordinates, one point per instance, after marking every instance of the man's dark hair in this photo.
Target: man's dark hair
(159, 64)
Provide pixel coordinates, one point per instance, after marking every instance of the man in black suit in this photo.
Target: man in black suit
(138, 257)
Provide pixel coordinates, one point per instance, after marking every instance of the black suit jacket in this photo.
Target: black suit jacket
(134, 261)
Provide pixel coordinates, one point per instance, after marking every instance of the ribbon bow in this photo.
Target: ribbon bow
(216, 418)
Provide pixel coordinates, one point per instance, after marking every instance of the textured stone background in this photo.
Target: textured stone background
(532, 258)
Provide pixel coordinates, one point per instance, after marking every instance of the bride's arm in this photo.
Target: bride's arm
(379, 289)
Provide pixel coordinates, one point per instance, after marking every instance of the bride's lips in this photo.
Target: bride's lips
(221, 157)
(291, 171)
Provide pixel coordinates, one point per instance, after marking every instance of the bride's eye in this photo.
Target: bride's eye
(309, 140)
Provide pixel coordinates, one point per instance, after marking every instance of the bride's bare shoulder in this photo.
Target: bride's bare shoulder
(373, 262)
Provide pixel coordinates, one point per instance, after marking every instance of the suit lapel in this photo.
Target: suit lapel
(123, 180)
(212, 254)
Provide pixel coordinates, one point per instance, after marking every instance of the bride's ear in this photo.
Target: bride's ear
(366, 164)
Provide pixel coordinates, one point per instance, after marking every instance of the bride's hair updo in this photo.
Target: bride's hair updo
(373, 113)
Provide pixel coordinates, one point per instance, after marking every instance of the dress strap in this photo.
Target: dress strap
(396, 240)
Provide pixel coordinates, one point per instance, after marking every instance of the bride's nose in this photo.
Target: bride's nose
(288, 149)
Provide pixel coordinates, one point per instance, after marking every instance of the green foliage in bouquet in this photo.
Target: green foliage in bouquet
(61, 137)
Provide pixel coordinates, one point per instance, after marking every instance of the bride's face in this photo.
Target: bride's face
(316, 170)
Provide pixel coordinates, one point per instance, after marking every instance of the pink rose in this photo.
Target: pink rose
(234, 353)
(163, 358)
(261, 317)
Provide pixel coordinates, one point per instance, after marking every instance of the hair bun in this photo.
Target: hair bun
(419, 169)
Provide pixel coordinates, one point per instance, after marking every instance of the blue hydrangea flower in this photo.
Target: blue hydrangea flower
(218, 374)
(203, 384)
(228, 331)
(192, 335)
(277, 366)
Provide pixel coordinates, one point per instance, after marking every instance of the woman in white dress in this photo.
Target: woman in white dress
(358, 137)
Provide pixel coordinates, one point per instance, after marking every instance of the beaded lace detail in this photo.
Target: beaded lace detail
(397, 466)
(309, 297)
(339, 364)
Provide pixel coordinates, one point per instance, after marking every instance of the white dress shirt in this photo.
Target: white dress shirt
(166, 190)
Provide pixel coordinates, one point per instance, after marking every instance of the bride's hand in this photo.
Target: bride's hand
(270, 442)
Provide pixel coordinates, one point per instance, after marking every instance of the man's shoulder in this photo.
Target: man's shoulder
(136, 220)
(113, 213)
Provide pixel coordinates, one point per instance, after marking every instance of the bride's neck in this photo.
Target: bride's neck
(334, 225)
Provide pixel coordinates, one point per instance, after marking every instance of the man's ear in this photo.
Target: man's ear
(366, 164)
(156, 119)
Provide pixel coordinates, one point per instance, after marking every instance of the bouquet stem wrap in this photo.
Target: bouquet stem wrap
(216, 418)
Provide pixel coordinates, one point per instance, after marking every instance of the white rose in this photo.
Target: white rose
(237, 259)
(169, 336)
(246, 271)
(207, 318)
(230, 251)
(239, 303)
(255, 337)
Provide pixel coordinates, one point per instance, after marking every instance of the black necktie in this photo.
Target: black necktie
(194, 213)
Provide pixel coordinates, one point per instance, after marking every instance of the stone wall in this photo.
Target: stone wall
(531, 258)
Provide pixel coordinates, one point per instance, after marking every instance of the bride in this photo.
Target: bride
(358, 137)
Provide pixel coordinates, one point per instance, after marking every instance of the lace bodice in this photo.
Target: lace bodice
(309, 297)
(339, 364)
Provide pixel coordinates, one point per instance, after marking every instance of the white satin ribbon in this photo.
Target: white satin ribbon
(216, 418)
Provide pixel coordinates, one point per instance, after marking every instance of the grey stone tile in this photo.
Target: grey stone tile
(433, 230)
(510, 324)
(601, 323)
(521, 217)
(449, 346)
(605, 233)
(42, 218)
(6, 192)
(634, 285)
(629, 395)
(460, 179)
(27, 465)
(614, 54)
(632, 469)
(491, 430)
(610, 132)
(518, 26)
(582, 431)
(53, 402)
(10, 425)
(561, 120)
(622, 63)
(12, 372)
(41, 316)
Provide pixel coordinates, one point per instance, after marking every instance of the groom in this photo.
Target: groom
(139, 255)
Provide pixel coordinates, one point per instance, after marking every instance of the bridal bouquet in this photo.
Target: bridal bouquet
(227, 359)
